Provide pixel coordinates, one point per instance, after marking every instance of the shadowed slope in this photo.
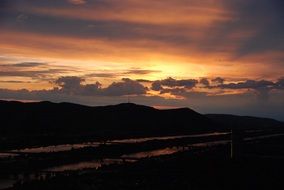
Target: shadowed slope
(123, 119)
(245, 122)
(55, 123)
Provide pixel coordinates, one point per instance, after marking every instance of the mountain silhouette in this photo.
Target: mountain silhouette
(122, 119)
(245, 122)
(35, 122)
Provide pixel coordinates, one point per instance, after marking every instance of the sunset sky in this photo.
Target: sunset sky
(214, 56)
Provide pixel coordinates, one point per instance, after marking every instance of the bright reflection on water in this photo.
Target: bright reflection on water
(139, 140)
(168, 151)
(131, 157)
(68, 147)
(146, 154)
(87, 165)
(56, 148)
(153, 153)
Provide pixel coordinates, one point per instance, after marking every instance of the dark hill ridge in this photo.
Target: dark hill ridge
(46, 123)
(122, 119)
(125, 118)
(245, 122)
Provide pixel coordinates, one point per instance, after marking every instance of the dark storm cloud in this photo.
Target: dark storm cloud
(126, 87)
(182, 88)
(157, 86)
(249, 84)
(266, 18)
(205, 82)
(73, 85)
(218, 80)
(69, 83)
(262, 87)
(171, 82)
(280, 84)
(173, 91)
(185, 88)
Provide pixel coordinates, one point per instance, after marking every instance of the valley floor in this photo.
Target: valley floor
(258, 165)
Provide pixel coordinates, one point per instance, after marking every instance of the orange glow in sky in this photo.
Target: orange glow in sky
(209, 48)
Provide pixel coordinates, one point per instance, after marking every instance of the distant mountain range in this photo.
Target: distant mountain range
(245, 122)
(122, 120)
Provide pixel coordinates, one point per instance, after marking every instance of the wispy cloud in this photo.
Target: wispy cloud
(140, 71)
(24, 64)
(241, 31)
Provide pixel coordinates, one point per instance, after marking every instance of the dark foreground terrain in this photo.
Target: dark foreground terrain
(128, 146)
(209, 168)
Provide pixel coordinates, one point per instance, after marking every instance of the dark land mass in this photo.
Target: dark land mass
(257, 163)
(48, 122)
(245, 122)
(45, 123)
(210, 168)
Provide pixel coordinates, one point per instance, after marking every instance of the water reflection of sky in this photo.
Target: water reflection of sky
(95, 164)
(139, 140)
(133, 157)
(68, 147)
(8, 155)
(56, 148)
